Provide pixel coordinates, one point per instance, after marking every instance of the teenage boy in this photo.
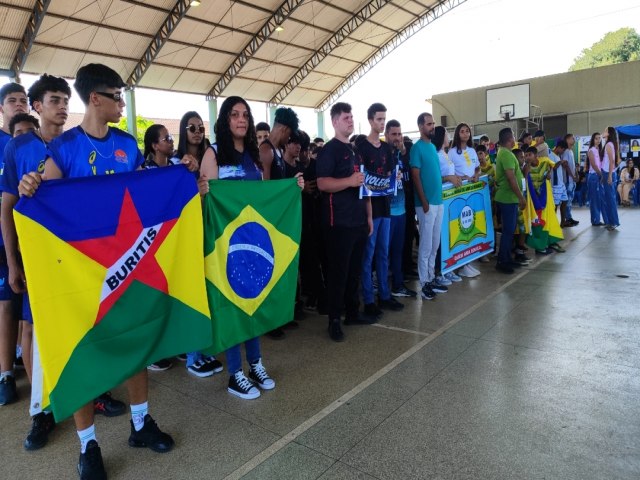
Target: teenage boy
(509, 197)
(23, 123)
(13, 101)
(572, 177)
(100, 89)
(427, 185)
(377, 157)
(262, 132)
(346, 220)
(285, 123)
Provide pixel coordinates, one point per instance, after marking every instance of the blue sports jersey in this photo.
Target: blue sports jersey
(78, 154)
(4, 139)
(23, 154)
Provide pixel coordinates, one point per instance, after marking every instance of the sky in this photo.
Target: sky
(460, 50)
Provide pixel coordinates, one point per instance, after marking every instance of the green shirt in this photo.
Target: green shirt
(506, 160)
(425, 158)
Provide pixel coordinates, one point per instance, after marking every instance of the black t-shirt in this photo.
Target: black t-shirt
(290, 171)
(343, 208)
(378, 160)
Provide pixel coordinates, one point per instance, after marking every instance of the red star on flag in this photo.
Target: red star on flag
(128, 255)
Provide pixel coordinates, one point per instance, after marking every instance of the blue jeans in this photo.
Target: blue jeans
(595, 197)
(571, 189)
(234, 359)
(610, 206)
(377, 245)
(509, 215)
(396, 247)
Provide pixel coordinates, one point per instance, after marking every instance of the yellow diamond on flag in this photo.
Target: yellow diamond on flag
(248, 260)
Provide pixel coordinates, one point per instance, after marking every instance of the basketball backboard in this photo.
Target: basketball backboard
(508, 103)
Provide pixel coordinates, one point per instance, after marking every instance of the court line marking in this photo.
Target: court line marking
(315, 419)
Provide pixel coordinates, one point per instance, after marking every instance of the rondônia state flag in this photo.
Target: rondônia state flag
(115, 275)
(251, 244)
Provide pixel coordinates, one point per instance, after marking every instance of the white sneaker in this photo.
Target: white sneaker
(452, 277)
(467, 271)
(474, 269)
(443, 280)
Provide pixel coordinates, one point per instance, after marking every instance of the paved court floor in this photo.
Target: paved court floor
(530, 376)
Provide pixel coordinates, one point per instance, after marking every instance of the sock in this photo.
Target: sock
(138, 412)
(8, 373)
(86, 436)
(18, 351)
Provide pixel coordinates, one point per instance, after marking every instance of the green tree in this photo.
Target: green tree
(141, 126)
(620, 46)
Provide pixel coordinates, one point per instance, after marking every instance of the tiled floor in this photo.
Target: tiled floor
(526, 377)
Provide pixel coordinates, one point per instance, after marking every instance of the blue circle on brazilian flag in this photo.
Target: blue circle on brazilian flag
(250, 260)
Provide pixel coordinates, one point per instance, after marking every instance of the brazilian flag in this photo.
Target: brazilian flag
(251, 243)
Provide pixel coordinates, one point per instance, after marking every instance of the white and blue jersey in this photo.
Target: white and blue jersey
(23, 154)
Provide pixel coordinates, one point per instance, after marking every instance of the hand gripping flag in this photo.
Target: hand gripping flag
(251, 241)
(115, 276)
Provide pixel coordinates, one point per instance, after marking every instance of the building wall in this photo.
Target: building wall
(590, 100)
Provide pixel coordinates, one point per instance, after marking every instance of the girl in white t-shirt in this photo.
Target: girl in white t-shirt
(463, 155)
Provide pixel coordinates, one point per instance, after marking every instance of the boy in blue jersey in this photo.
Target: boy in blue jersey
(49, 97)
(94, 148)
(13, 100)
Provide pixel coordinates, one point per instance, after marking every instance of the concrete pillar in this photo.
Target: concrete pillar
(130, 99)
(213, 117)
(320, 116)
(272, 115)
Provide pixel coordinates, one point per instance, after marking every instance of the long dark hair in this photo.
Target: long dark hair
(457, 143)
(151, 136)
(224, 137)
(612, 136)
(182, 142)
(438, 137)
(592, 142)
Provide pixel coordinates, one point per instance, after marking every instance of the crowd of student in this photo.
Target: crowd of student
(349, 242)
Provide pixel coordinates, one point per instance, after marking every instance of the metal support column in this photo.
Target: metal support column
(213, 117)
(130, 99)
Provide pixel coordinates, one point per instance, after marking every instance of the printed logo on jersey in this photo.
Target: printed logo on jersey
(92, 157)
(120, 156)
(41, 167)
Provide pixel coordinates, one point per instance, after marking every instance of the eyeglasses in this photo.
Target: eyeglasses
(193, 129)
(168, 139)
(116, 97)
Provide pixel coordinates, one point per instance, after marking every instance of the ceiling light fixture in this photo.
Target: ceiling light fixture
(195, 3)
(279, 28)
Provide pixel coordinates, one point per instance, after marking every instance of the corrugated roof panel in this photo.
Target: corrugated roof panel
(197, 33)
(53, 61)
(267, 71)
(162, 77)
(13, 22)
(372, 34)
(321, 14)
(278, 52)
(251, 89)
(354, 51)
(415, 7)
(392, 17)
(210, 61)
(227, 40)
(89, 10)
(130, 17)
(65, 32)
(298, 34)
(195, 82)
(176, 54)
(8, 52)
(305, 98)
(337, 66)
(318, 81)
(127, 45)
(21, 3)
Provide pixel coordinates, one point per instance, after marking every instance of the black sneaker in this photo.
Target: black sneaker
(214, 362)
(8, 391)
(437, 288)
(391, 304)
(372, 310)
(201, 369)
(240, 386)
(150, 436)
(90, 466)
(258, 374)
(160, 365)
(403, 292)
(276, 334)
(335, 331)
(522, 259)
(426, 293)
(182, 357)
(108, 406)
(359, 319)
(41, 426)
(504, 267)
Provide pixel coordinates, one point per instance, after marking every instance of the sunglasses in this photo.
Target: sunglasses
(168, 139)
(193, 129)
(116, 97)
